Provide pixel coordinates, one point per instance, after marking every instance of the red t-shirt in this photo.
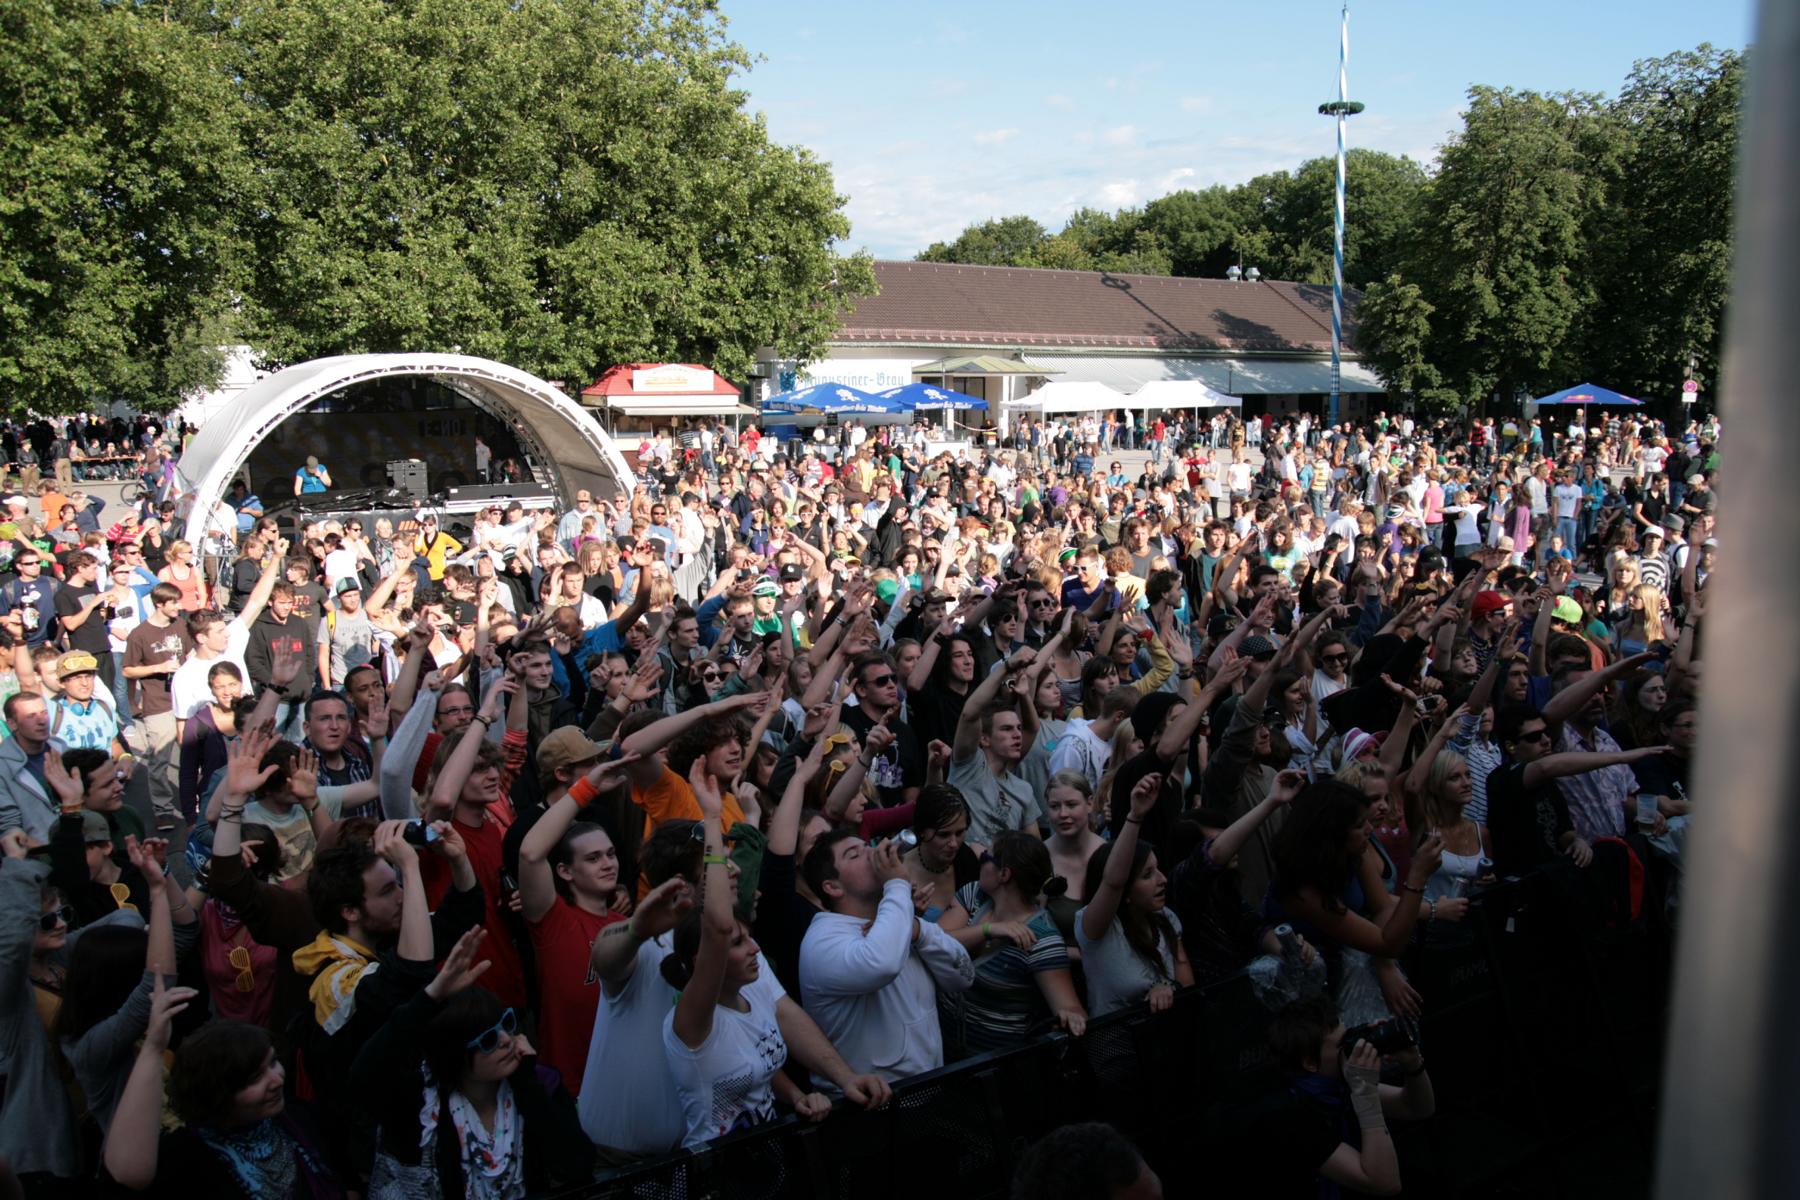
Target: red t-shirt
(506, 978)
(568, 989)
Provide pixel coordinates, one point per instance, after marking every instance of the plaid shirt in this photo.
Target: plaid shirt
(1596, 799)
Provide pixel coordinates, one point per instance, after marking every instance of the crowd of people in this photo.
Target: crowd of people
(478, 860)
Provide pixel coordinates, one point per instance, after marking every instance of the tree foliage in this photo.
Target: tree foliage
(117, 248)
(1558, 237)
(559, 184)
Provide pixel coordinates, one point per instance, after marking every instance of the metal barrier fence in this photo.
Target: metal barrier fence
(1541, 1032)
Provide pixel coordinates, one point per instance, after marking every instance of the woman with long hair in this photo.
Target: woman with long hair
(1319, 886)
(1637, 711)
(1646, 622)
(1448, 791)
(941, 861)
(1069, 806)
(185, 575)
(1019, 990)
(1130, 943)
(723, 1039)
(1126, 745)
(1069, 664)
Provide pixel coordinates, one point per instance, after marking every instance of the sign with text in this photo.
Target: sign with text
(671, 378)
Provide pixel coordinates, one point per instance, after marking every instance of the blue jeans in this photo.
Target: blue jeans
(1566, 529)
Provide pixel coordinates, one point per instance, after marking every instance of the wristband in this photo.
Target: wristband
(582, 792)
(1415, 1073)
(986, 937)
(1405, 886)
(486, 721)
(1134, 819)
(714, 860)
(1368, 1109)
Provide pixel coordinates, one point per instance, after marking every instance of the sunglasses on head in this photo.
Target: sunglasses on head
(485, 1041)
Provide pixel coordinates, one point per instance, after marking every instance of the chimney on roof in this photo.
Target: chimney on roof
(1233, 272)
(1253, 275)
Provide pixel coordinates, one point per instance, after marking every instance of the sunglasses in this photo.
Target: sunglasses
(1334, 658)
(709, 677)
(1538, 735)
(485, 1041)
(62, 914)
(879, 680)
(239, 958)
(121, 895)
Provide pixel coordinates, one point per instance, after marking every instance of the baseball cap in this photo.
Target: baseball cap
(348, 583)
(75, 662)
(765, 587)
(94, 827)
(1567, 610)
(887, 589)
(1256, 646)
(792, 573)
(1487, 602)
(564, 747)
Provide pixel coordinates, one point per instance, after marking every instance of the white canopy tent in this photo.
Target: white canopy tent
(1180, 393)
(1061, 397)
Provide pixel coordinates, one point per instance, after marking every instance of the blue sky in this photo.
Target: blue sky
(937, 114)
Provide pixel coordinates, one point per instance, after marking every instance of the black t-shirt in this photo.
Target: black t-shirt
(1527, 824)
(935, 710)
(90, 635)
(244, 575)
(900, 766)
(1275, 1146)
(1159, 821)
(309, 601)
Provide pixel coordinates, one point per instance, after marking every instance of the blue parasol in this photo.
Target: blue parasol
(830, 398)
(926, 397)
(1588, 393)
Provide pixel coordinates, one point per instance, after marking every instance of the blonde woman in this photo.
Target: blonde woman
(1645, 623)
(1126, 745)
(185, 576)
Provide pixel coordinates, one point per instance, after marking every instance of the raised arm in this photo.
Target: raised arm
(1180, 731)
(968, 726)
(1569, 701)
(614, 955)
(657, 734)
(1577, 762)
(1103, 905)
(700, 998)
(537, 883)
(928, 656)
(1236, 836)
(461, 762)
(1540, 632)
(135, 1136)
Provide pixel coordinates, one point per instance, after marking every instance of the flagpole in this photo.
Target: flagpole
(1342, 109)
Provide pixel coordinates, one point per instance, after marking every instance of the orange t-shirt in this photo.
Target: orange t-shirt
(671, 799)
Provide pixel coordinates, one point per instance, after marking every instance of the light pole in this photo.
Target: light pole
(1342, 109)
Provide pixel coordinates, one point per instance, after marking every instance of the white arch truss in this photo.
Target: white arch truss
(561, 435)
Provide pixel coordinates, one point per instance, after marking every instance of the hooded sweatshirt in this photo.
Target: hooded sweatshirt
(294, 634)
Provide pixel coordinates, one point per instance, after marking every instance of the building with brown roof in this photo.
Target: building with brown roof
(1267, 341)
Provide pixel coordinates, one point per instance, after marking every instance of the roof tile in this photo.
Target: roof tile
(951, 303)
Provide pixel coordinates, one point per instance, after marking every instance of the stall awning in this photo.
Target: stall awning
(1233, 376)
(1068, 396)
(670, 406)
(982, 364)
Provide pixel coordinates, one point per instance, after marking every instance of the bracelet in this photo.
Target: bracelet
(1133, 819)
(1407, 887)
(582, 792)
(486, 721)
(986, 937)
(714, 860)
(232, 814)
(1431, 915)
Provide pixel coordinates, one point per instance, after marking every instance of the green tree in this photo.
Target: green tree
(1382, 195)
(1092, 240)
(1502, 258)
(1002, 242)
(118, 248)
(1662, 250)
(1197, 228)
(556, 184)
(1393, 324)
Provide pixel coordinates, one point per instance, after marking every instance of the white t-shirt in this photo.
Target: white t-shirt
(725, 1084)
(628, 1099)
(1568, 500)
(188, 689)
(1116, 977)
(1238, 476)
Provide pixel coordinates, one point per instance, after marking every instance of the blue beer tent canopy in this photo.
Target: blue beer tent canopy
(829, 398)
(1588, 393)
(926, 397)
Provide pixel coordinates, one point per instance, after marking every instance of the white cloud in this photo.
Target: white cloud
(1197, 104)
(1118, 194)
(995, 137)
(1123, 135)
(1174, 179)
(1058, 100)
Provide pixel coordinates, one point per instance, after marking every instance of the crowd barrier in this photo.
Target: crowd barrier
(1542, 1036)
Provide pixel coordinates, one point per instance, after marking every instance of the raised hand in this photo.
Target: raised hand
(460, 968)
(165, 1005)
(244, 773)
(284, 664)
(1144, 795)
(303, 779)
(706, 789)
(663, 908)
(1287, 785)
(375, 725)
(69, 788)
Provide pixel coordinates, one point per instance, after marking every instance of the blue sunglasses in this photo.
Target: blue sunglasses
(485, 1041)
